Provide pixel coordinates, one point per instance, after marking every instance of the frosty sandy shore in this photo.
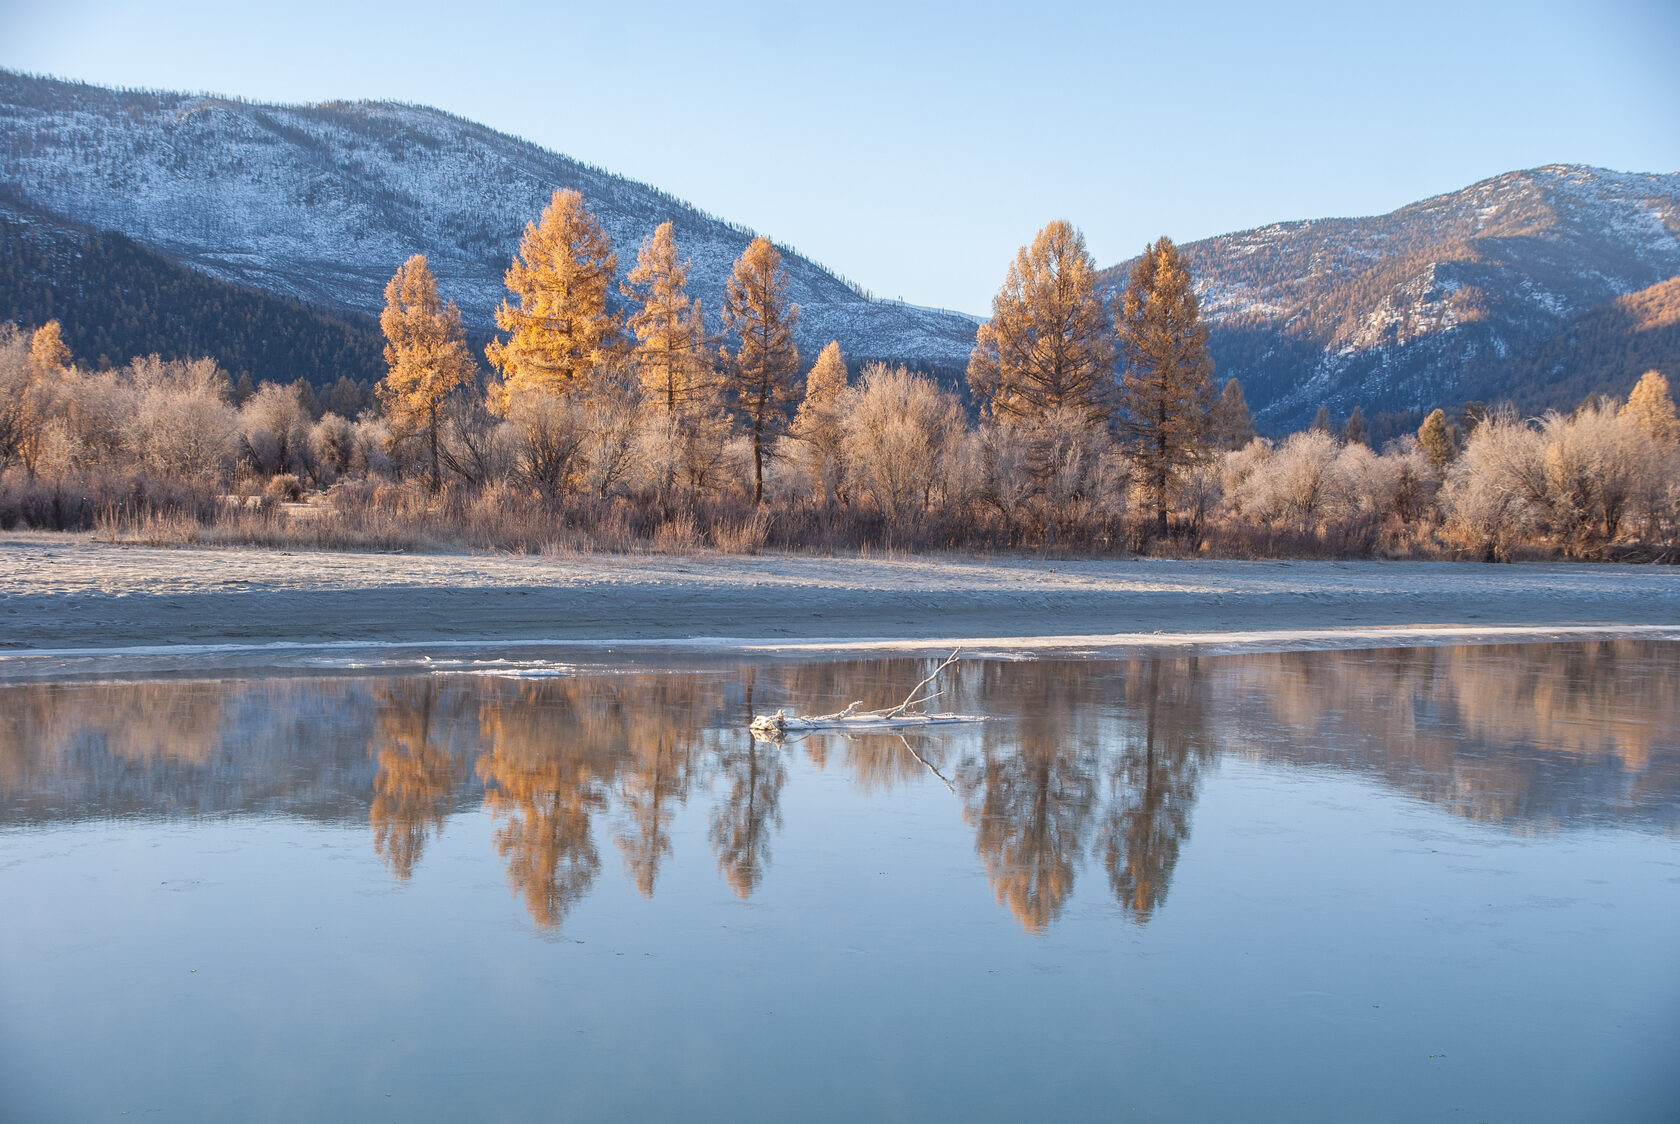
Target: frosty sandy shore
(67, 593)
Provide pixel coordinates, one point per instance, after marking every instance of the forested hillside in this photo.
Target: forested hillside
(1538, 287)
(1603, 350)
(117, 300)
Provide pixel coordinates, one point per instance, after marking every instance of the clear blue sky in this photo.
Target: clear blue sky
(913, 146)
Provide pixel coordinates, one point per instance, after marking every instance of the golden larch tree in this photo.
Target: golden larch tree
(819, 422)
(1165, 380)
(761, 372)
(425, 352)
(560, 331)
(25, 413)
(1047, 345)
(1651, 409)
(669, 352)
(48, 353)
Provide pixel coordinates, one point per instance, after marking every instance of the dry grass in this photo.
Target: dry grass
(364, 516)
(367, 515)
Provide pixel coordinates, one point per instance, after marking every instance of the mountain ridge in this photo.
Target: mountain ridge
(1434, 302)
(322, 202)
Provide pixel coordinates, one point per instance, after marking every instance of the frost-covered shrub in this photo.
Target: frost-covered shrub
(1297, 482)
(274, 431)
(609, 408)
(900, 429)
(549, 435)
(91, 413)
(1595, 462)
(333, 442)
(372, 448)
(183, 424)
(1051, 471)
(1495, 493)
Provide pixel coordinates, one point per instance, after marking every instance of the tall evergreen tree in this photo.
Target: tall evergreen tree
(48, 353)
(1321, 420)
(45, 371)
(669, 352)
(561, 330)
(1230, 423)
(1436, 440)
(426, 353)
(761, 371)
(1165, 375)
(1354, 434)
(1047, 345)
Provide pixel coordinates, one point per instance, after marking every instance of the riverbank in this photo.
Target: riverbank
(60, 592)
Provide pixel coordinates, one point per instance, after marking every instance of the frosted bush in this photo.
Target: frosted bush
(1595, 461)
(183, 424)
(1495, 493)
(899, 430)
(274, 429)
(333, 441)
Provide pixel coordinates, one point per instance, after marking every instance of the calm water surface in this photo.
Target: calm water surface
(1394, 885)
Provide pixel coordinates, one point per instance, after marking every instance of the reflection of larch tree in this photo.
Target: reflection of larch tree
(1031, 807)
(414, 790)
(1153, 781)
(543, 792)
(656, 780)
(744, 822)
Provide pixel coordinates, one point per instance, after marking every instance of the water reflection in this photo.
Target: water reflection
(1031, 789)
(1530, 736)
(1082, 765)
(1152, 783)
(420, 772)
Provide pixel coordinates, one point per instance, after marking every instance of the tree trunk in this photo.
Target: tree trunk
(758, 467)
(437, 481)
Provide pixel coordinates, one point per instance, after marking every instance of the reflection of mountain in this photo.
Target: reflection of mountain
(1086, 762)
(1532, 736)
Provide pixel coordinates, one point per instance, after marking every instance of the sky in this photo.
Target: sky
(913, 147)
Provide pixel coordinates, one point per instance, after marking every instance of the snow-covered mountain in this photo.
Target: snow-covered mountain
(1465, 295)
(322, 203)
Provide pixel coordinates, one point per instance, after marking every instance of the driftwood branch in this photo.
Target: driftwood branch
(854, 718)
(911, 697)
